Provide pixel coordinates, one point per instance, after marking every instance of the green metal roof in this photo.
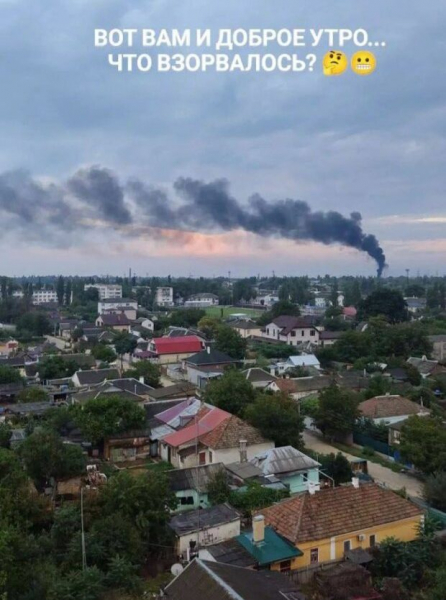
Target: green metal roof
(273, 549)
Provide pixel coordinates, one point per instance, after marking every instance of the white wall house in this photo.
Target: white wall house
(291, 330)
(105, 290)
(117, 305)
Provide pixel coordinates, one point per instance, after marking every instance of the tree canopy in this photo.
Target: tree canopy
(229, 341)
(146, 369)
(337, 412)
(231, 392)
(384, 302)
(423, 443)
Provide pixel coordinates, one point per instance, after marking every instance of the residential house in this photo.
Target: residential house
(246, 328)
(125, 305)
(106, 291)
(128, 446)
(390, 409)
(8, 347)
(164, 296)
(292, 467)
(177, 391)
(202, 301)
(191, 485)
(301, 387)
(415, 305)
(90, 378)
(241, 474)
(173, 350)
(214, 436)
(115, 321)
(329, 338)
(204, 527)
(394, 432)
(130, 389)
(292, 330)
(217, 581)
(425, 367)
(439, 347)
(302, 360)
(325, 525)
(259, 378)
(208, 362)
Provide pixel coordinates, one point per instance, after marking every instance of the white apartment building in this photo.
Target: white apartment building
(164, 296)
(118, 305)
(106, 290)
(44, 296)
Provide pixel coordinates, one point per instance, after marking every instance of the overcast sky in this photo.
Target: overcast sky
(371, 144)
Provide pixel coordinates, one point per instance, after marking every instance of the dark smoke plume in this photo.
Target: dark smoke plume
(94, 197)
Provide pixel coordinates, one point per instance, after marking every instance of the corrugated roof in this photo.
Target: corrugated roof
(204, 425)
(274, 548)
(196, 520)
(177, 345)
(195, 478)
(283, 460)
(210, 356)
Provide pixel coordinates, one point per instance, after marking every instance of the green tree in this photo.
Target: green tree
(5, 435)
(255, 498)
(107, 415)
(187, 317)
(435, 490)
(283, 307)
(60, 289)
(45, 455)
(146, 369)
(386, 302)
(277, 417)
(218, 488)
(56, 367)
(229, 341)
(337, 412)
(337, 467)
(124, 343)
(423, 443)
(9, 375)
(103, 353)
(209, 326)
(231, 392)
(36, 324)
(32, 394)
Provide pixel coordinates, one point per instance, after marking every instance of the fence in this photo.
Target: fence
(365, 440)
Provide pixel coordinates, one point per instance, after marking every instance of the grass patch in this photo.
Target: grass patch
(226, 311)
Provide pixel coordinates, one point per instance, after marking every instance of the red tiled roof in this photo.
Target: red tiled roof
(229, 433)
(177, 345)
(381, 407)
(337, 511)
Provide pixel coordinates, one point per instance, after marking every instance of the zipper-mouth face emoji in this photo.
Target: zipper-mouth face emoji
(335, 63)
(363, 62)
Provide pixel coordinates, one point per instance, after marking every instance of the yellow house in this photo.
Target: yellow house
(326, 524)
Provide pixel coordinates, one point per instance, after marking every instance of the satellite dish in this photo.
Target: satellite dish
(176, 569)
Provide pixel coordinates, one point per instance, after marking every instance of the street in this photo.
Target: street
(380, 474)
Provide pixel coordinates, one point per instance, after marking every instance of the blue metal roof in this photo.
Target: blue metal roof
(273, 549)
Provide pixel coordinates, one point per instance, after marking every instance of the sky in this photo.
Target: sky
(374, 145)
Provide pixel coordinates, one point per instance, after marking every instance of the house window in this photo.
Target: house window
(187, 501)
(372, 541)
(347, 546)
(267, 332)
(202, 458)
(285, 566)
(314, 555)
(312, 332)
(303, 333)
(210, 456)
(293, 333)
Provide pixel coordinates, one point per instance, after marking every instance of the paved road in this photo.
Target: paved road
(60, 343)
(380, 474)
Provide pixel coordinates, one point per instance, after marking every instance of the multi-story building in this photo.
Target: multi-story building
(106, 290)
(164, 296)
(119, 305)
(44, 296)
(291, 330)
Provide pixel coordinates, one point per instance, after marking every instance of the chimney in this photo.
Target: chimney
(208, 349)
(141, 380)
(312, 488)
(355, 482)
(243, 451)
(258, 529)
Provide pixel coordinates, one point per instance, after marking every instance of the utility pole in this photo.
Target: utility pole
(84, 554)
(407, 274)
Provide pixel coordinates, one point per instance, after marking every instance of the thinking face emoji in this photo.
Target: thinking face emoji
(363, 62)
(334, 63)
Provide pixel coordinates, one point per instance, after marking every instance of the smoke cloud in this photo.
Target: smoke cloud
(94, 197)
